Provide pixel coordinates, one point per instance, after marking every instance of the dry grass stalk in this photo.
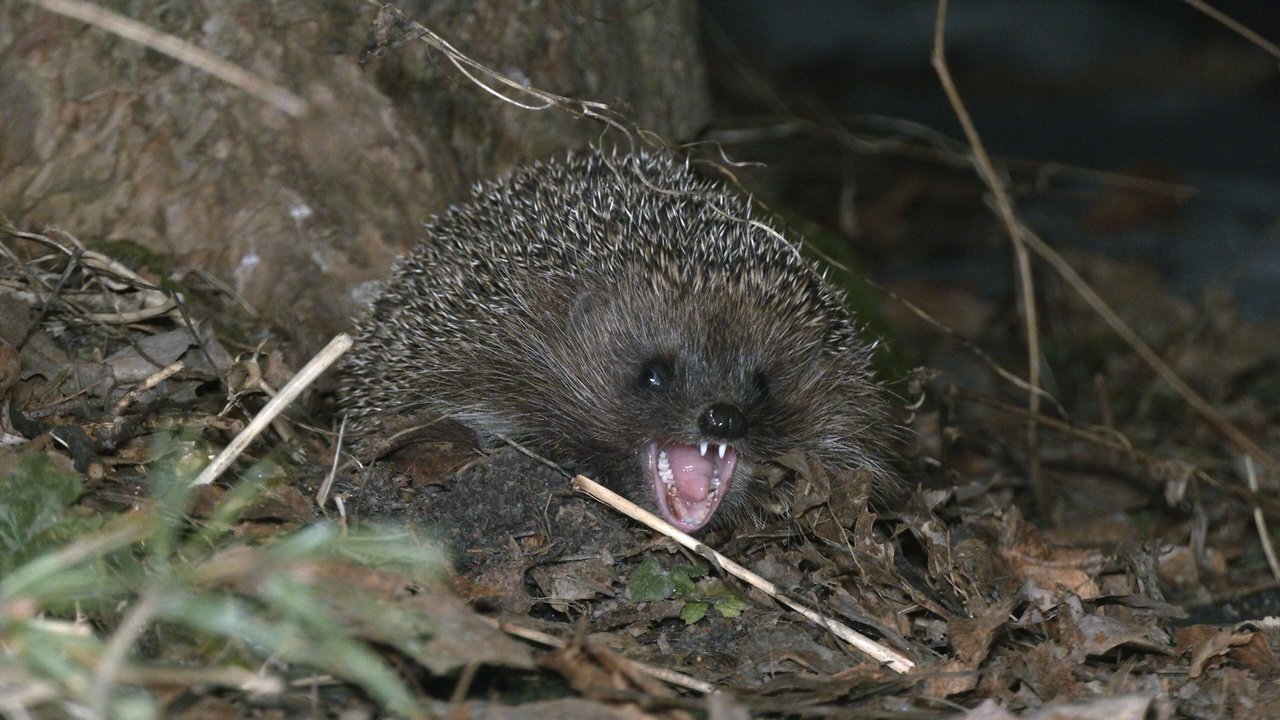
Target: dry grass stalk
(307, 375)
(890, 657)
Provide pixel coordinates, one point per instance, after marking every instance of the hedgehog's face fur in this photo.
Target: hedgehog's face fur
(682, 389)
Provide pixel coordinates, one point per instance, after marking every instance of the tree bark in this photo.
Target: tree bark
(107, 139)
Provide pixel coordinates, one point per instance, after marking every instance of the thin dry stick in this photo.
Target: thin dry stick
(180, 50)
(1223, 426)
(893, 659)
(1260, 521)
(669, 676)
(1114, 440)
(309, 372)
(155, 379)
(917, 141)
(154, 301)
(1004, 206)
(968, 344)
(1235, 25)
(462, 687)
(1025, 236)
(474, 71)
(323, 493)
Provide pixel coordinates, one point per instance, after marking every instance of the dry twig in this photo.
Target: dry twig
(309, 372)
(1235, 26)
(1260, 521)
(1004, 206)
(1111, 439)
(664, 674)
(492, 81)
(180, 50)
(1023, 238)
(153, 380)
(890, 657)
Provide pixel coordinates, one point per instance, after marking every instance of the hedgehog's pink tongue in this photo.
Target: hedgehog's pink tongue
(689, 482)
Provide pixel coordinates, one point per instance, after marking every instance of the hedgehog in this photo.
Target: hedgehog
(629, 319)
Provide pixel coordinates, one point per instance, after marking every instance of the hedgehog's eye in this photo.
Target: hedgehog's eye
(761, 381)
(654, 375)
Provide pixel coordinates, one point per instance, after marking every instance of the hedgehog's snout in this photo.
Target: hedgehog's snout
(723, 420)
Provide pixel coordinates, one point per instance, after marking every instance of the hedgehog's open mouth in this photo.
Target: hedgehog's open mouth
(690, 481)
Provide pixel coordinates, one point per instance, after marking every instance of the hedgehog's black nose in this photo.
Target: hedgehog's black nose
(723, 420)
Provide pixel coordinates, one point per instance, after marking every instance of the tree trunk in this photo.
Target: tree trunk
(107, 139)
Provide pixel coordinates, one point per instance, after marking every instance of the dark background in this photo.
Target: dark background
(1153, 89)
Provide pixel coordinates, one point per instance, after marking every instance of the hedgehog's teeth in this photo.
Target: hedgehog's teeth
(664, 470)
(688, 484)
